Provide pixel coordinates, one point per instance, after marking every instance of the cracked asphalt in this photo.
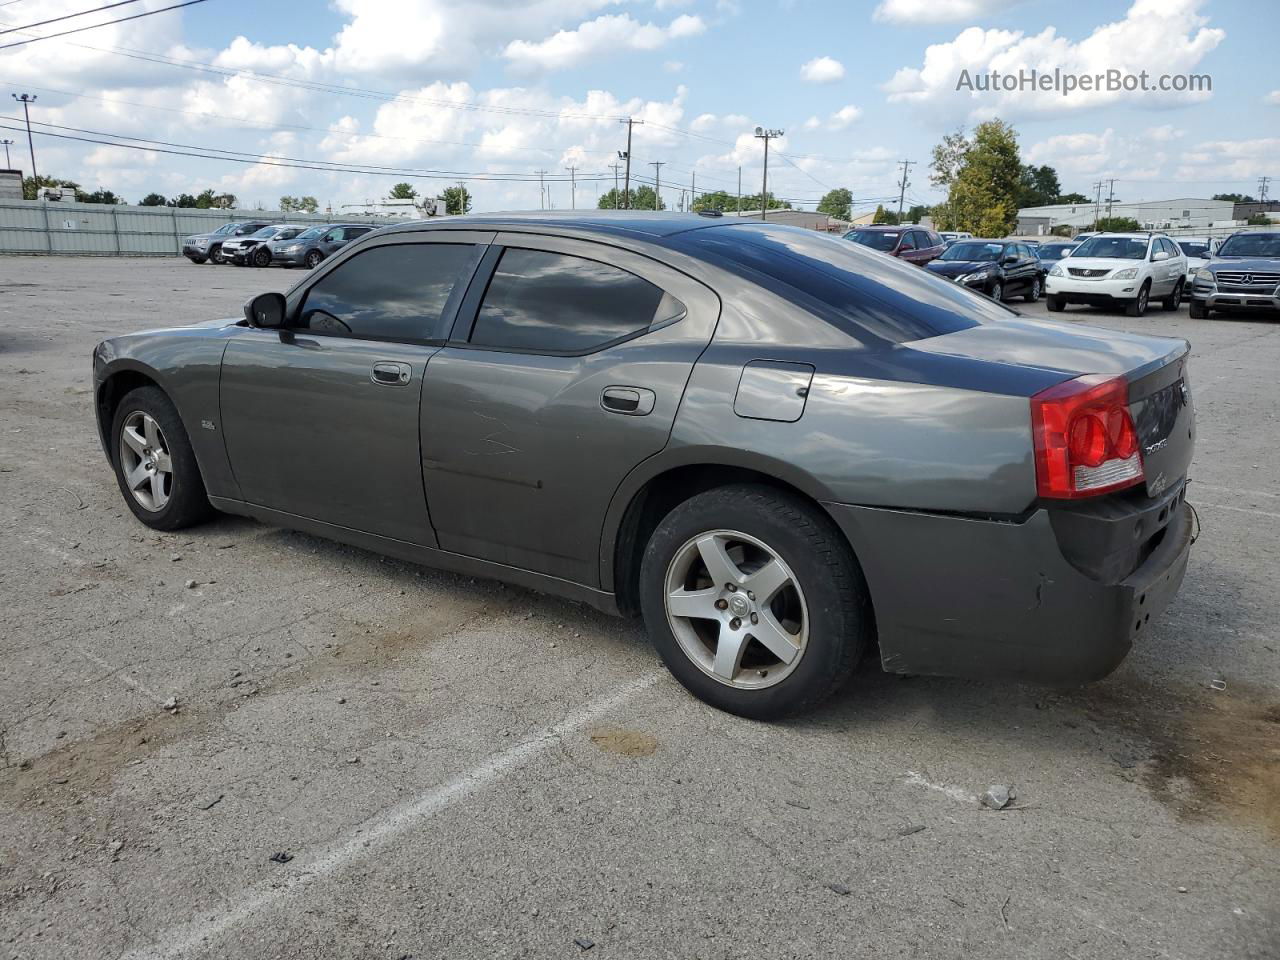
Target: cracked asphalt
(446, 767)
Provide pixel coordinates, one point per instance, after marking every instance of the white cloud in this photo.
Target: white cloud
(1273, 98)
(709, 121)
(813, 123)
(596, 38)
(843, 117)
(673, 66)
(822, 70)
(1228, 159)
(938, 11)
(1157, 36)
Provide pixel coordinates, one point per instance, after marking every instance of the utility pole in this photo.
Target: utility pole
(1111, 195)
(626, 155)
(902, 185)
(615, 167)
(693, 190)
(573, 187)
(1262, 188)
(739, 191)
(1097, 203)
(542, 189)
(7, 145)
(766, 136)
(26, 100)
(657, 183)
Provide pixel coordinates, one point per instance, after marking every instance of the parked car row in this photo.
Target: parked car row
(260, 244)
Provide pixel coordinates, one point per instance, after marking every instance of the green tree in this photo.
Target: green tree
(884, 216)
(307, 204)
(1061, 230)
(1038, 186)
(1258, 219)
(945, 162)
(1071, 198)
(720, 200)
(642, 198)
(983, 198)
(152, 200)
(98, 196)
(403, 191)
(1235, 197)
(185, 200)
(288, 204)
(457, 200)
(916, 213)
(1117, 224)
(204, 200)
(31, 186)
(837, 203)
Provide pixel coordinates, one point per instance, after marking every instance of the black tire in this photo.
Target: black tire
(806, 540)
(1055, 303)
(1033, 294)
(262, 257)
(188, 502)
(1198, 310)
(215, 255)
(197, 260)
(312, 259)
(1174, 300)
(997, 292)
(1138, 305)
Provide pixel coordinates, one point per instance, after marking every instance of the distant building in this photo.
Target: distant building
(417, 209)
(809, 219)
(1243, 211)
(10, 184)
(1180, 214)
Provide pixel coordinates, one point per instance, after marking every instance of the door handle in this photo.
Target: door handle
(391, 373)
(629, 401)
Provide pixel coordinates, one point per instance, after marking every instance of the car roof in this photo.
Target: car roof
(889, 226)
(634, 223)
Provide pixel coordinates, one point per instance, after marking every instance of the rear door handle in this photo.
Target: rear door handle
(391, 373)
(629, 401)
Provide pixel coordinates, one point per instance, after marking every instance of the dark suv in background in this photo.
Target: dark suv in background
(1243, 275)
(998, 268)
(310, 247)
(200, 247)
(914, 244)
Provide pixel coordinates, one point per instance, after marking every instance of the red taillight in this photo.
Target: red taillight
(1084, 438)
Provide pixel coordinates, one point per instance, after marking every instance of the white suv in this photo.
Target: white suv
(1119, 270)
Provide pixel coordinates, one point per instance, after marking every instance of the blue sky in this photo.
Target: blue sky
(498, 89)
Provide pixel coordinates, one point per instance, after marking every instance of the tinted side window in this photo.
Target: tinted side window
(908, 241)
(388, 293)
(353, 232)
(553, 303)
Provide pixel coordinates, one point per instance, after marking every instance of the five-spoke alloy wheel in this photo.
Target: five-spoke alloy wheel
(155, 465)
(145, 460)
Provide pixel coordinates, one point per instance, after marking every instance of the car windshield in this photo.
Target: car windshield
(310, 234)
(287, 234)
(225, 229)
(1113, 248)
(1194, 248)
(875, 239)
(266, 232)
(1055, 251)
(1252, 245)
(966, 250)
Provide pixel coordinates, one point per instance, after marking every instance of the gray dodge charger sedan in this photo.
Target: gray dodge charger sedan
(783, 450)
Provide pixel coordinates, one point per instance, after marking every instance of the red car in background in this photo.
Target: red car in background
(915, 244)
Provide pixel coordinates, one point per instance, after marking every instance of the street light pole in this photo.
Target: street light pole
(26, 100)
(766, 136)
(626, 187)
(657, 183)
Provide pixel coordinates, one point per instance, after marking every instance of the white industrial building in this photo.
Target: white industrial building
(1181, 215)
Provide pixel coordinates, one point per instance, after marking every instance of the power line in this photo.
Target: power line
(68, 16)
(105, 23)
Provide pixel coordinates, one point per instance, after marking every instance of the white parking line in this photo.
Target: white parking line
(178, 941)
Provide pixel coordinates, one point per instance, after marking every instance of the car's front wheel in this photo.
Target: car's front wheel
(196, 260)
(1055, 303)
(754, 600)
(155, 465)
(215, 255)
(313, 259)
(262, 257)
(1138, 305)
(1198, 310)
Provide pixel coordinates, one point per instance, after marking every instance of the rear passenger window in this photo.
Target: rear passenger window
(394, 292)
(553, 303)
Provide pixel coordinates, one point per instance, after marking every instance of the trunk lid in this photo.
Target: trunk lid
(1154, 367)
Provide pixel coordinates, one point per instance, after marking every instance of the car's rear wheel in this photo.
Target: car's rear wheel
(1174, 300)
(754, 600)
(1198, 310)
(997, 292)
(215, 255)
(1138, 305)
(155, 465)
(197, 260)
(313, 259)
(1055, 303)
(1034, 293)
(262, 257)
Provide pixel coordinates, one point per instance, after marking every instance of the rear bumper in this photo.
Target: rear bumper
(977, 598)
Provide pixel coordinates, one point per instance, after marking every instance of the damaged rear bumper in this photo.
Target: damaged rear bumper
(1037, 599)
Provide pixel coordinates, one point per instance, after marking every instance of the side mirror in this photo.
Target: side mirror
(266, 310)
(1160, 255)
(1010, 259)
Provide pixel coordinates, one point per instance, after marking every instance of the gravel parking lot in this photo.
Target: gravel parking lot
(243, 742)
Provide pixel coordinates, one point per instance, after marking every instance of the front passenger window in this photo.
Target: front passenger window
(393, 292)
